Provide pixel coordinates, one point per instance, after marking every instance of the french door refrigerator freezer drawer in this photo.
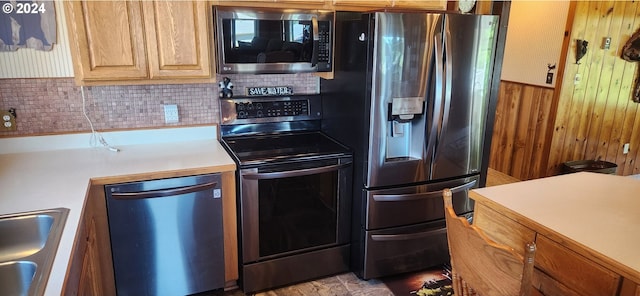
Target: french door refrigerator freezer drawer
(405, 249)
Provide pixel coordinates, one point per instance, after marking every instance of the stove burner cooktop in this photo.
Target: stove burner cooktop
(252, 150)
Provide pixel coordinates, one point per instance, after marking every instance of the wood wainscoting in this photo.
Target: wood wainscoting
(596, 115)
(520, 130)
(590, 114)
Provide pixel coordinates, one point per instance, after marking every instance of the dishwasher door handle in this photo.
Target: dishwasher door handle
(163, 192)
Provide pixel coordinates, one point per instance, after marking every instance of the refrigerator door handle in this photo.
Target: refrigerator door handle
(438, 98)
(418, 196)
(448, 81)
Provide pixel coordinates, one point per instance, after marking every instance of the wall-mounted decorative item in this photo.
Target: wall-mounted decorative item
(581, 49)
(226, 88)
(27, 24)
(550, 69)
(269, 91)
(631, 53)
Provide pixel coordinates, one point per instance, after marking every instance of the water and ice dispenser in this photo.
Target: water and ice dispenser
(405, 128)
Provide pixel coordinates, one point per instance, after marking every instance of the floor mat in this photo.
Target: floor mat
(434, 281)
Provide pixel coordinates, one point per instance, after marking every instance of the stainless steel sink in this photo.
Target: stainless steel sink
(16, 277)
(28, 245)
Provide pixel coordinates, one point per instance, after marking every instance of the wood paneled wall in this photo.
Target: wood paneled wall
(537, 129)
(520, 129)
(596, 116)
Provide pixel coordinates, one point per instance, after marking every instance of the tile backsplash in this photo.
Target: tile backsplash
(54, 105)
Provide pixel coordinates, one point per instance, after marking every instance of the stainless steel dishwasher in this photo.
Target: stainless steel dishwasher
(166, 235)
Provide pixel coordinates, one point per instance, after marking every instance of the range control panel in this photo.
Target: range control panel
(270, 109)
(249, 110)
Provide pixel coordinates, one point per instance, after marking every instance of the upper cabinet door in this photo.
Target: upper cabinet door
(107, 37)
(361, 4)
(177, 38)
(421, 4)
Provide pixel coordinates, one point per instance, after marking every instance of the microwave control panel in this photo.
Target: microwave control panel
(251, 110)
(324, 46)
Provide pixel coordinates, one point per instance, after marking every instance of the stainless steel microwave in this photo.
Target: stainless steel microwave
(269, 41)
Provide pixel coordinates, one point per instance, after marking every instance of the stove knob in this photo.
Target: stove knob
(259, 113)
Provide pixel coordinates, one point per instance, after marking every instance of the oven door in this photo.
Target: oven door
(294, 207)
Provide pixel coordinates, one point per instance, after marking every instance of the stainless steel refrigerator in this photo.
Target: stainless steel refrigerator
(410, 96)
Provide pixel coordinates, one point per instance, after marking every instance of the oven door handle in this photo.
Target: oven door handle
(409, 236)
(296, 173)
(418, 196)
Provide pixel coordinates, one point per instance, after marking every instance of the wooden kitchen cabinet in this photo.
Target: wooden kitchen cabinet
(107, 40)
(573, 270)
(503, 229)
(177, 38)
(559, 270)
(139, 41)
(230, 225)
(90, 270)
(306, 4)
(361, 5)
(421, 4)
(90, 283)
(629, 288)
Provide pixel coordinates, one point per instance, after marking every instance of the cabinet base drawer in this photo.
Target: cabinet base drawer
(574, 270)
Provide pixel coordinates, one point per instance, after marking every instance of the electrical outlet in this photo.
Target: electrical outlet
(625, 148)
(171, 114)
(8, 121)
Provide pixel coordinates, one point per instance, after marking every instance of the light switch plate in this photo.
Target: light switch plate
(171, 114)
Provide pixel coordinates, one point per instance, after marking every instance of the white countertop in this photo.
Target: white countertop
(59, 178)
(598, 211)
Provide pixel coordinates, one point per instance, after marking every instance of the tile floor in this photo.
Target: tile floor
(346, 284)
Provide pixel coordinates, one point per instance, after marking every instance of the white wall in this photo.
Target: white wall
(30, 63)
(534, 40)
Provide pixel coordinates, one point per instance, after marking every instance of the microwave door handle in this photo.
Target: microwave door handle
(296, 173)
(316, 41)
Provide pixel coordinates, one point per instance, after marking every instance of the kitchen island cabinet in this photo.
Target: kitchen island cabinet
(584, 226)
(128, 42)
(629, 288)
